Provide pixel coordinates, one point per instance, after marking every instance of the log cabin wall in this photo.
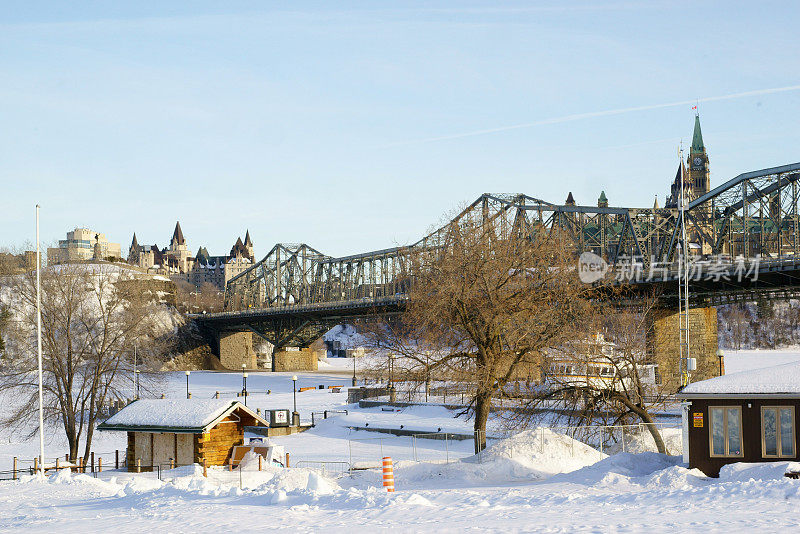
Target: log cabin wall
(216, 445)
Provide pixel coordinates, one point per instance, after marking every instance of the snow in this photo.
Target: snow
(769, 380)
(534, 481)
(172, 413)
(748, 360)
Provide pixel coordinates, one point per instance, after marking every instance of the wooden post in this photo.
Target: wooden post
(91, 467)
(259, 462)
(116, 459)
(205, 469)
(172, 463)
(287, 459)
(216, 395)
(230, 463)
(14, 470)
(99, 464)
(80, 464)
(36, 465)
(66, 457)
(138, 465)
(57, 460)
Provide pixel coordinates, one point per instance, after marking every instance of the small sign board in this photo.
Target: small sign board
(697, 419)
(278, 418)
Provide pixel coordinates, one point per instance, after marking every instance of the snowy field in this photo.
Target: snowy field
(535, 481)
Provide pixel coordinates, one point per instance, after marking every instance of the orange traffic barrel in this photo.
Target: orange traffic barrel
(388, 474)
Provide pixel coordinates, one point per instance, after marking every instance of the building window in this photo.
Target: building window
(777, 432)
(725, 431)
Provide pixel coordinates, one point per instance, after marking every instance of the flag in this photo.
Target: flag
(694, 107)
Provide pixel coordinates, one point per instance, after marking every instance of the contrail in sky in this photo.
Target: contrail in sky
(580, 116)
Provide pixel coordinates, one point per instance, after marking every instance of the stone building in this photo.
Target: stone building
(696, 175)
(217, 270)
(83, 244)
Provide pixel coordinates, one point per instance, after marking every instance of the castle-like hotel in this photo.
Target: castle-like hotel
(177, 262)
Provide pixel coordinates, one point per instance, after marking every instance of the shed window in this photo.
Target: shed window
(725, 431)
(777, 432)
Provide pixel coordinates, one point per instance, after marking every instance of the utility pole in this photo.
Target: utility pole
(39, 342)
(683, 285)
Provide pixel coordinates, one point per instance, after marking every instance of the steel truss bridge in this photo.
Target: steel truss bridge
(296, 292)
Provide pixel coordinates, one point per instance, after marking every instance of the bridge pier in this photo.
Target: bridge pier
(663, 339)
(294, 359)
(235, 349)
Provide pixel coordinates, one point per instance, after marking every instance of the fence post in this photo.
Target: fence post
(230, 464)
(57, 459)
(216, 395)
(172, 463)
(14, 470)
(116, 459)
(91, 468)
(259, 462)
(36, 465)
(446, 450)
(99, 464)
(138, 465)
(287, 459)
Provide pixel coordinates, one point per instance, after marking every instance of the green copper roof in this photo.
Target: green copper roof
(602, 197)
(697, 137)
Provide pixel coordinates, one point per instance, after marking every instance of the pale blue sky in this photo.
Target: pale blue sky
(351, 126)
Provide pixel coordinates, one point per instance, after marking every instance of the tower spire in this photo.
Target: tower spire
(697, 136)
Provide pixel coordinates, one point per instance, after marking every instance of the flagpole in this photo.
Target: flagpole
(39, 342)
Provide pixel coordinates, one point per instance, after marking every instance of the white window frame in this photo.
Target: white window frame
(779, 447)
(725, 410)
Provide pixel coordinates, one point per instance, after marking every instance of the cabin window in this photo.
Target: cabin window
(777, 432)
(725, 430)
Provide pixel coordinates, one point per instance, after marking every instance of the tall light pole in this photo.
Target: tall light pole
(295, 415)
(355, 382)
(244, 385)
(188, 395)
(39, 342)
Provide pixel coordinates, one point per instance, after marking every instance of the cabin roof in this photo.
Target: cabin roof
(778, 380)
(192, 416)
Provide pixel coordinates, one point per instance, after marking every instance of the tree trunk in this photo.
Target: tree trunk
(648, 421)
(483, 402)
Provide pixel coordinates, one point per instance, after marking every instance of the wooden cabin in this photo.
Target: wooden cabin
(165, 432)
(749, 416)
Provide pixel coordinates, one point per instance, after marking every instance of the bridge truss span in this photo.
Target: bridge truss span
(754, 214)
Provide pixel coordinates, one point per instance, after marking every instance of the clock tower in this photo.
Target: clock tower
(699, 180)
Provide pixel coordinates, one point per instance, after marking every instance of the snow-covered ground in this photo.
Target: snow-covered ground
(535, 481)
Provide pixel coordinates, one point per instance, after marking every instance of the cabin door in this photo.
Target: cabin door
(163, 449)
(185, 449)
(143, 451)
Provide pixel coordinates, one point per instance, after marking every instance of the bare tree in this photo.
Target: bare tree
(90, 326)
(606, 376)
(207, 298)
(481, 309)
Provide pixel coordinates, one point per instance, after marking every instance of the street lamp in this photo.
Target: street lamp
(721, 356)
(244, 387)
(188, 395)
(295, 415)
(355, 382)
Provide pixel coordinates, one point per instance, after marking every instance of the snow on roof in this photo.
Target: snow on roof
(775, 380)
(182, 414)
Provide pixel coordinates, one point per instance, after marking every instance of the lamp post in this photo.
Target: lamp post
(244, 384)
(721, 357)
(355, 382)
(295, 415)
(188, 395)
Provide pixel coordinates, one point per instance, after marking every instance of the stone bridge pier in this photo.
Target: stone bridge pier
(236, 349)
(663, 340)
